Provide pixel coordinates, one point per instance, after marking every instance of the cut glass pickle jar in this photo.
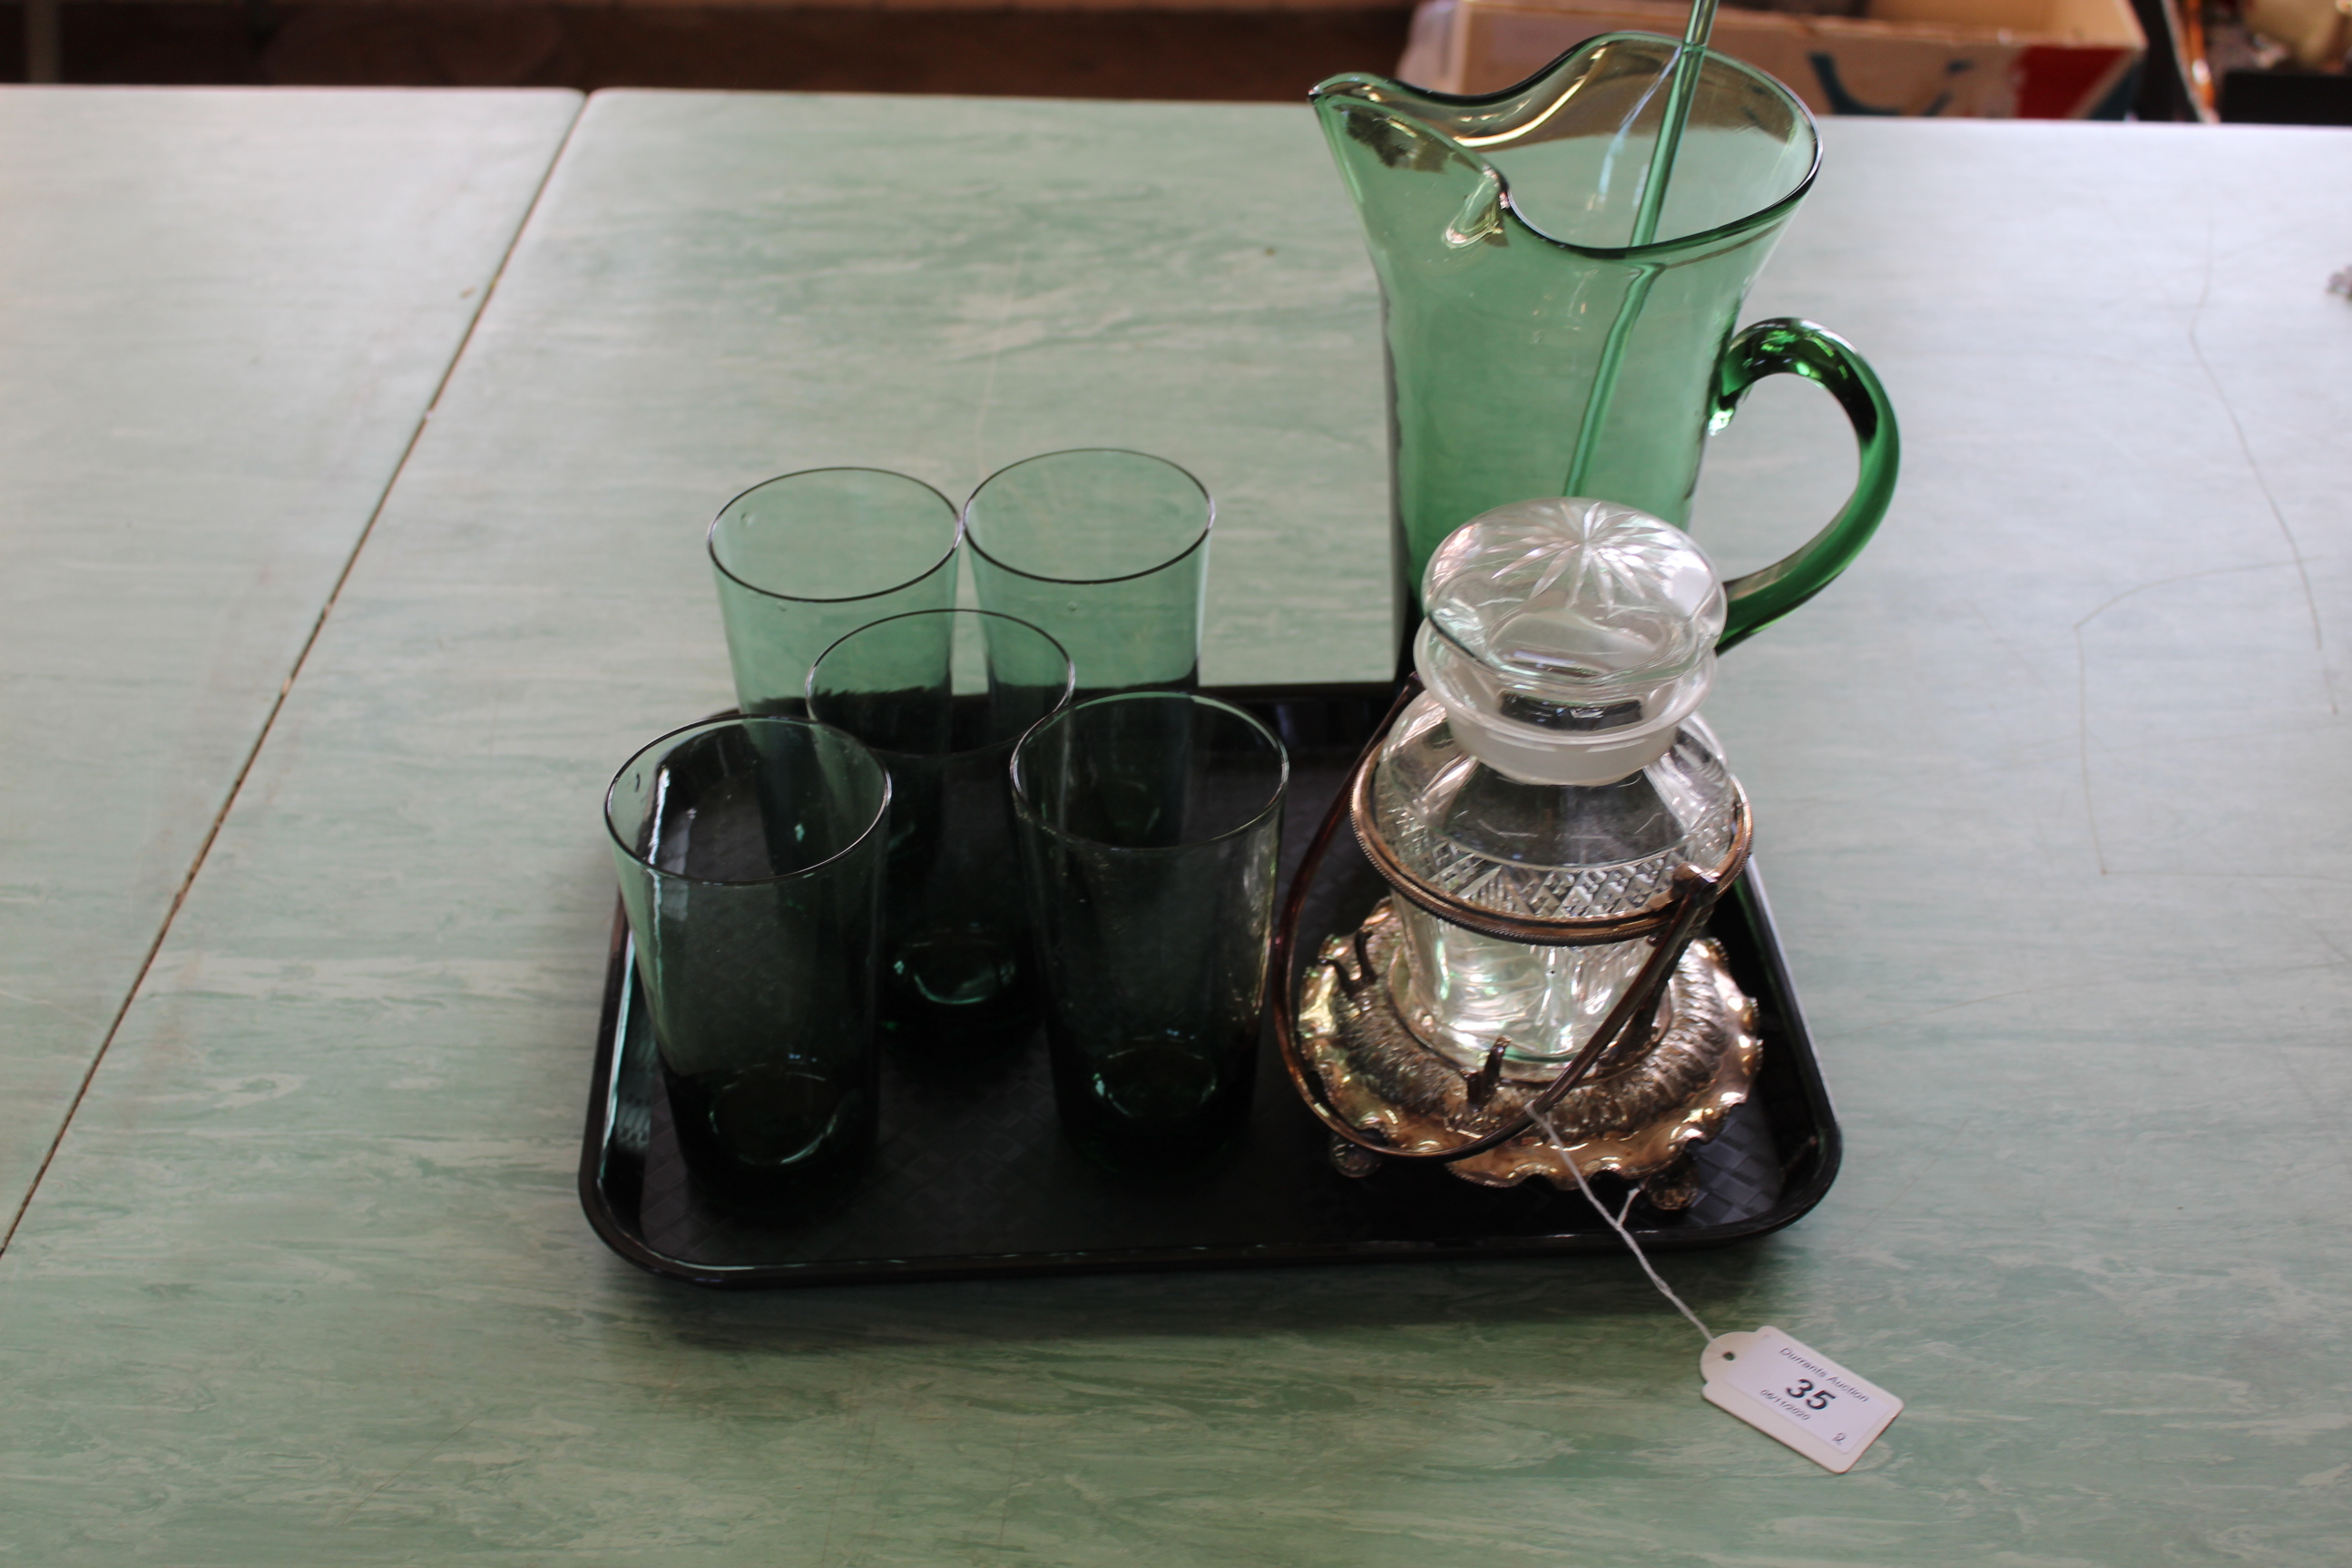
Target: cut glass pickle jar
(1553, 767)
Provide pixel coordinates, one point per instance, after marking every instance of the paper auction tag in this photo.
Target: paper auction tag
(1786, 1390)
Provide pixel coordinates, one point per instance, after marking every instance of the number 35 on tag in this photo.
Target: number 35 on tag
(1797, 1395)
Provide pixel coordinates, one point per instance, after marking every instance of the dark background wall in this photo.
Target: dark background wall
(1179, 54)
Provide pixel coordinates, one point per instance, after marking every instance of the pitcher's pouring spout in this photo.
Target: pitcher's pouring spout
(1530, 341)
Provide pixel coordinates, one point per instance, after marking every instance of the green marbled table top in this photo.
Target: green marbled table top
(2047, 790)
(222, 315)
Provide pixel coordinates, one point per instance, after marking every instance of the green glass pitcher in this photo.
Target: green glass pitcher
(1533, 350)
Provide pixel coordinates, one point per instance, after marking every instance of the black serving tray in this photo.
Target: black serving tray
(971, 1177)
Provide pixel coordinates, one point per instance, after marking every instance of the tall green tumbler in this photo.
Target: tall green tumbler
(751, 855)
(804, 560)
(1535, 350)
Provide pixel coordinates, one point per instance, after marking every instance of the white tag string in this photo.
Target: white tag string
(1617, 1223)
(1785, 1390)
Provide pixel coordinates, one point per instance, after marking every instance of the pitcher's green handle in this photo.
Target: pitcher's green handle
(1787, 346)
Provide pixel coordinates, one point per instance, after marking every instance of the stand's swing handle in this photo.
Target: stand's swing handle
(1785, 346)
(1281, 980)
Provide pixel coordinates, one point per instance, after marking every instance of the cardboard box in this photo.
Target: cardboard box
(2022, 60)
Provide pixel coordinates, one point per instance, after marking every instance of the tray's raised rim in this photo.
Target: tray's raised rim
(1747, 896)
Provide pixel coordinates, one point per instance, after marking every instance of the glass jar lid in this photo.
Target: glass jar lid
(1568, 637)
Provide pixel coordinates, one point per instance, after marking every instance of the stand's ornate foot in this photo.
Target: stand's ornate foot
(1674, 1188)
(1352, 1158)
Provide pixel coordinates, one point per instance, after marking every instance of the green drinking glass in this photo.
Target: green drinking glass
(1534, 350)
(940, 697)
(1105, 551)
(1151, 831)
(750, 857)
(803, 559)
